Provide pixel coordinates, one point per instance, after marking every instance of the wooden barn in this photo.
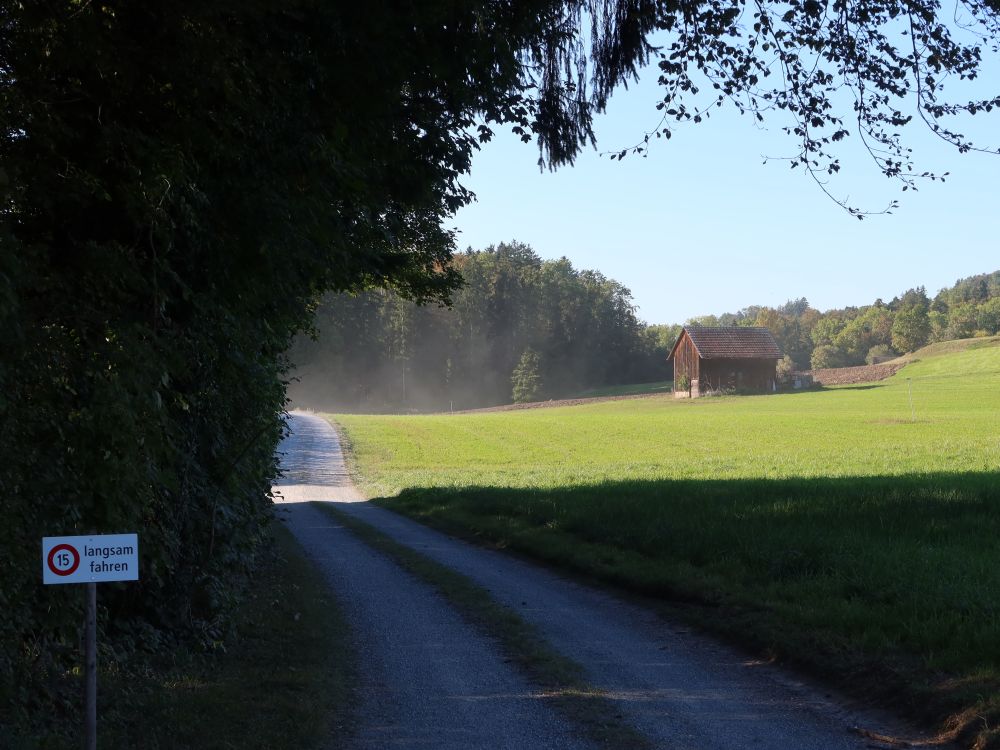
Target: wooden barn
(721, 358)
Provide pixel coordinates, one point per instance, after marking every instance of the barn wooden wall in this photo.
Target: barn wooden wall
(685, 360)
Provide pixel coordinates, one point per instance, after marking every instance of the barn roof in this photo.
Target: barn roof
(731, 342)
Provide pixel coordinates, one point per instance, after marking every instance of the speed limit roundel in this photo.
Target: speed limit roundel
(63, 559)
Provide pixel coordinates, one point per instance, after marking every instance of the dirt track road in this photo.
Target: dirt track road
(429, 680)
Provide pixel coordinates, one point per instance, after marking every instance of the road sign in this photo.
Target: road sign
(90, 559)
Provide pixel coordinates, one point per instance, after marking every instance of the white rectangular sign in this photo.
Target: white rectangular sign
(90, 559)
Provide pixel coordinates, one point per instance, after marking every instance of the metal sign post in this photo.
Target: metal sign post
(90, 670)
(90, 560)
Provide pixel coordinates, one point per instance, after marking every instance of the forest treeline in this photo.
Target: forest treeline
(523, 329)
(877, 332)
(520, 328)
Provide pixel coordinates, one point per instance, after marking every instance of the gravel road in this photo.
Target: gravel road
(427, 679)
(682, 690)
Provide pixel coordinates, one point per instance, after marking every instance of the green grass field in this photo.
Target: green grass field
(854, 529)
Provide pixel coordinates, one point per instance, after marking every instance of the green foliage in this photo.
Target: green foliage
(784, 368)
(791, 326)
(870, 328)
(378, 352)
(826, 330)
(911, 328)
(581, 324)
(962, 321)
(663, 336)
(180, 182)
(526, 378)
(988, 316)
(844, 337)
(705, 320)
(826, 356)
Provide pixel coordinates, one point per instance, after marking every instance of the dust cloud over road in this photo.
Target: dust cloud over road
(430, 681)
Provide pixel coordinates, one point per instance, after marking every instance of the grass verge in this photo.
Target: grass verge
(283, 684)
(632, 389)
(560, 679)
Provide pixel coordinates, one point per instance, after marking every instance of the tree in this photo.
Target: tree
(826, 356)
(988, 316)
(911, 298)
(962, 320)
(526, 378)
(180, 182)
(582, 325)
(664, 336)
(939, 325)
(911, 328)
(786, 327)
(873, 326)
(784, 369)
(826, 330)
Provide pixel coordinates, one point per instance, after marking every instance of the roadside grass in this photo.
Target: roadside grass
(560, 679)
(635, 389)
(854, 530)
(284, 682)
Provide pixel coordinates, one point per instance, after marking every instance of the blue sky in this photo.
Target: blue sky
(702, 226)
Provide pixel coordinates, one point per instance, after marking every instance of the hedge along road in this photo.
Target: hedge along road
(429, 680)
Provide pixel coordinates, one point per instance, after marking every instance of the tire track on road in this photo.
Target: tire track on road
(427, 678)
(681, 690)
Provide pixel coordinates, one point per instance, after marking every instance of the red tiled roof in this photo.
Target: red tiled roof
(733, 342)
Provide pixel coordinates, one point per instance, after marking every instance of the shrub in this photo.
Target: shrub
(827, 356)
(784, 368)
(527, 378)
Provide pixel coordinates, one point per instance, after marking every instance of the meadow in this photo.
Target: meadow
(855, 530)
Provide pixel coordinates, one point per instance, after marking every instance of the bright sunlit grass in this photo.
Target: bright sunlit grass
(857, 524)
(937, 415)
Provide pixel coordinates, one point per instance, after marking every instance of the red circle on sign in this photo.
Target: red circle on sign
(72, 568)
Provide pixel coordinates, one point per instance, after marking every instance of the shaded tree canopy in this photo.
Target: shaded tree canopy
(540, 327)
(178, 183)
